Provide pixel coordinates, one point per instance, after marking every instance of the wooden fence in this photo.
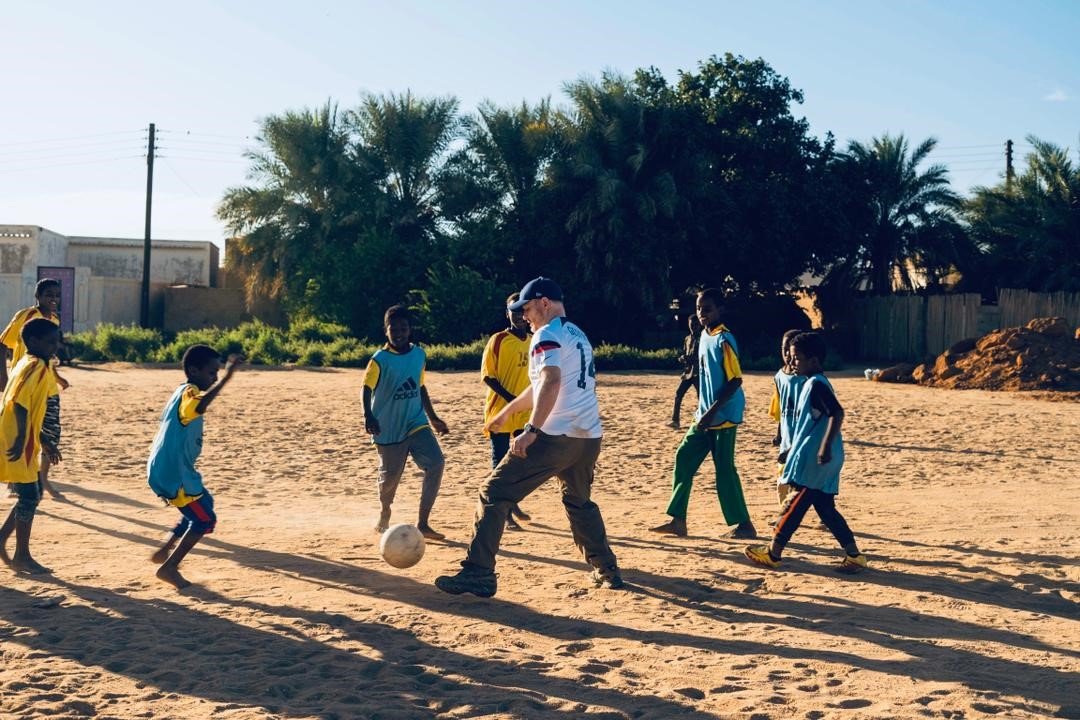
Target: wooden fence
(912, 327)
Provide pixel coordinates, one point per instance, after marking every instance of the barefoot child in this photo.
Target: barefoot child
(47, 294)
(171, 469)
(398, 415)
(21, 417)
(720, 411)
(813, 462)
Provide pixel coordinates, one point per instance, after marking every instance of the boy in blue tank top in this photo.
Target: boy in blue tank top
(399, 417)
(813, 461)
(720, 411)
(171, 472)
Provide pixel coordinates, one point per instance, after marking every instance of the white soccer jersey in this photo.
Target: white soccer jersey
(562, 344)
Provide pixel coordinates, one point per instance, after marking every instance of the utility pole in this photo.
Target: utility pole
(144, 310)
(1009, 174)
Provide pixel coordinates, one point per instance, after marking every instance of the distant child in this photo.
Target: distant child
(21, 416)
(786, 386)
(398, 415)
(689, 377)
(813, 461)
(47, 294)
(720, 411)
(171, 469)
(505, 370)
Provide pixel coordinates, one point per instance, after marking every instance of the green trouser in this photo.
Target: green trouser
(688, 458)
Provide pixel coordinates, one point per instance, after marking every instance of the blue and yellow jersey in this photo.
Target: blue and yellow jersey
(786, 389)
(170, 471)
(32, 381)
(506, 358)
(395, 380)
(811, 423)
(718, 358)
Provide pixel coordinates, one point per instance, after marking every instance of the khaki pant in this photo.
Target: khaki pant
(572, 461)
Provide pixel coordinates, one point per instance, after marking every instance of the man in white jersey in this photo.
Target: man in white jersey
(561, 439)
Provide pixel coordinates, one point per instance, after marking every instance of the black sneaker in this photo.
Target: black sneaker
(608, 578)
(481, 584)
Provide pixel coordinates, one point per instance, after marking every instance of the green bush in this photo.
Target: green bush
(312, 330)
(624, 357)
(124, 343)
(455, 357)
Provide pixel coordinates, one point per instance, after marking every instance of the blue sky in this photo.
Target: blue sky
(81, 81)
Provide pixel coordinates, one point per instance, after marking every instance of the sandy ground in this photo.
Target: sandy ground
(966, 503)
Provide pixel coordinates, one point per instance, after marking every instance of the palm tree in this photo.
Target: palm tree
(901, 218)
(406, 139)
(304, 204)
(1030, 229)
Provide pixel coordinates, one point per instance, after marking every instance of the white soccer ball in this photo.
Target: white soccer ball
(402, 545)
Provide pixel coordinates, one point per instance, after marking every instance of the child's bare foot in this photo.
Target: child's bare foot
(160, 555)
(511, 523)
(57, 495)
(29, 565)
(172, 576)
(676, 527)
(430, 533)
(520, 514)
(383, 523)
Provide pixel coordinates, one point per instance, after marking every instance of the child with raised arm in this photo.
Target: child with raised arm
(786, 386)
(21, 416)
(47, 295)
(399, 417)
(813, 461)
(171, 469)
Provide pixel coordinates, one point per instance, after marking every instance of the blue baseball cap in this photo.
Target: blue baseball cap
(540, 287)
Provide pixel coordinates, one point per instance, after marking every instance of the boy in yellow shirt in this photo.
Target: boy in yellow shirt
(22, 413)
(47, 294)
(505, 370)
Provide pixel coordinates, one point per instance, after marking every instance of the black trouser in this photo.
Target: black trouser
(798, 501)
(684, 385)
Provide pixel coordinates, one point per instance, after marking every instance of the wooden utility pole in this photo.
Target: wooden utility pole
(144, 310)
(1009, 173)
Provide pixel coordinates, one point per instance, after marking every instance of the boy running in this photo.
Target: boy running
(720, 411)
(813, 462)
(171, 471)
(505, 370)
(399, 416)
(21, 416)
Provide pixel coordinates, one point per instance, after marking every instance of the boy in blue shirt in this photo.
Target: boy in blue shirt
(171, 472)
(786, 386)
(813, 461)
(399, 417)
(720, 411)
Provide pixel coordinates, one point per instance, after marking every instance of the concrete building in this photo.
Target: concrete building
(101, 278)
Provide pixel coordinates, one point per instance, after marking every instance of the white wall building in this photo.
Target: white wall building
(101, 278)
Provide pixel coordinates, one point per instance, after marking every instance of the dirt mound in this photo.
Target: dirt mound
(1042, 355)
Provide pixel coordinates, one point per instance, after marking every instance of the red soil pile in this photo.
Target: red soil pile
(1042, 355)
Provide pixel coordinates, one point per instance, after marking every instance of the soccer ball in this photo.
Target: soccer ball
(402, 545)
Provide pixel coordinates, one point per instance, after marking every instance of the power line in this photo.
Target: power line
(108, 145)
(38, 166)
(210, 135)
(180, 178)
(72, 137)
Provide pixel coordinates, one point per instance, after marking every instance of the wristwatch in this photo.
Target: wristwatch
(530, 428)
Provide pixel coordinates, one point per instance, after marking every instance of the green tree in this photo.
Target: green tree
(1029, 229)
(900, 221)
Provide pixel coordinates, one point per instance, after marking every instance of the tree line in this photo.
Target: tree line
(635, 193)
